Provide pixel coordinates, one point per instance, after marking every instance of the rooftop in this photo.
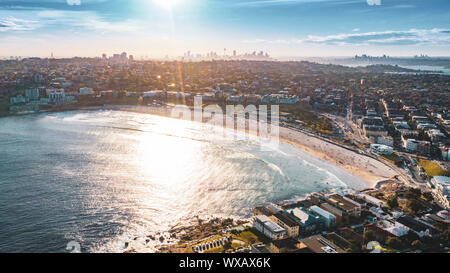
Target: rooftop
(319, 244)
(269, 224)
(285, 219)
(342, 202)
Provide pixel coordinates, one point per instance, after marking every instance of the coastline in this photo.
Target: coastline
(187, 235)
(373, 172)
(367, 168)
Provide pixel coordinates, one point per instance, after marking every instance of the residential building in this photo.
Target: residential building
(330, 219)
(341, 216)
(385, 140)
(269, 228)
(416, 146)
(395, 228)
(441, 189)
(259, 248)
(306, 220)
(284, 221)
(350, 207)
(372, 200)
(417, 227)
(18, 100)
(381, 149)
(32, 94)
(262, 210)
(445, 152)
(86, 91)
(287, 245)
(318, 244)
(280, 99)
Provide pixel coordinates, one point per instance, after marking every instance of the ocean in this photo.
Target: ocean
(102, 178)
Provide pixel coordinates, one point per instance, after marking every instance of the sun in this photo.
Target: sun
(167, 4)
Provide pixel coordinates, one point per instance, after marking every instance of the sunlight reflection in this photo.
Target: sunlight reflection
(166, 156)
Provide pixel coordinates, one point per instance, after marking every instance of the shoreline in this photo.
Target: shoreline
(369, 169)
(342, 158)
(374, 172)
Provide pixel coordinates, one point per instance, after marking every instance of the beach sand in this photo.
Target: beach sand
(360, 165)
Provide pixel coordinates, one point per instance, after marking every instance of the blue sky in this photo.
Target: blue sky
(157, 28)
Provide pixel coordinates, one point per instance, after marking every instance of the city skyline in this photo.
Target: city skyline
(283, 28)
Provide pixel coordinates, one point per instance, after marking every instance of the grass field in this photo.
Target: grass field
(393, 158)
(311, 120)
(432, 168)
(251, 236)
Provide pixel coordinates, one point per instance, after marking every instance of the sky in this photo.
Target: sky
(283, 28)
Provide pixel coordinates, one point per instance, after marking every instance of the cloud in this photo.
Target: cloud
(15, 24)
(86, 20)
(71, 20)
(262, 3)
(374, 2)
(73, 2)
(408, 37)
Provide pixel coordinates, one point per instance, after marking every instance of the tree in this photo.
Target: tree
(227, 245)
(414, 205)
(428, 196)
(392, 202)
(411, 236)
(369, 236)
(413, 193)
(416, 244)
(394, 242)
(446, 234)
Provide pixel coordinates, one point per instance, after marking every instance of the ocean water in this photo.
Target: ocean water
(102, 178)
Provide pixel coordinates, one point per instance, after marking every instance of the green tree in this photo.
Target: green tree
(392, 202)
(428, 196)
(394, 242)
(416, 244)
(414, 205)
(369, 236)
(446, 234)
(413, 193)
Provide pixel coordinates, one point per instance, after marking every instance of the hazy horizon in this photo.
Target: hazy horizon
(282, 28)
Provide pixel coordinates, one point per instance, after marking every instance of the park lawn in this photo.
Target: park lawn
(309, 118)
(432, 168)
(251, 236)
(393, 158)
(215, 250)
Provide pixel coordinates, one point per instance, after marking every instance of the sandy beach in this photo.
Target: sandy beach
(360, 165)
